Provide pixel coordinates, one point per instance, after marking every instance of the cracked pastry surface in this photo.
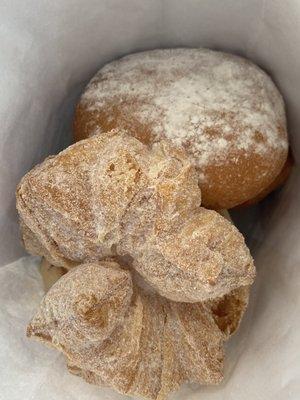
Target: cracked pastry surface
(114, 332)
(222, 109)
(156, 283)
(111, 195)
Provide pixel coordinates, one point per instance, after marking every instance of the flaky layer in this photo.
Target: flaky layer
(110, 195)
(132, 340)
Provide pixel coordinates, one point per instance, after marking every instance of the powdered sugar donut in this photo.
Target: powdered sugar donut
(222, 109)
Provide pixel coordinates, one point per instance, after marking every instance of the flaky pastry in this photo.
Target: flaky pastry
(111, 196)
(114, 332)
(159, 282)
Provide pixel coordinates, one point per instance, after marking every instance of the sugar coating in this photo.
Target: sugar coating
(212, 103)
(114, 333)
(156, 284)
(111, 195)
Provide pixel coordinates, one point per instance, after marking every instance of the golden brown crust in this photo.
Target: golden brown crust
(277, 183)
(110, 195)
(136, 342)
(222, 109)
(137, 209)
(227, 311)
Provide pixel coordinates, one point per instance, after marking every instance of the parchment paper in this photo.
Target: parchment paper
(48, 51)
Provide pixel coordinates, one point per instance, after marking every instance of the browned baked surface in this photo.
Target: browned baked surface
(227, 311)
(225, 111)
(110, 195)
(113, 332)
(156, 284)
(277, 183)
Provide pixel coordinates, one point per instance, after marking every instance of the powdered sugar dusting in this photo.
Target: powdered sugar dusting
(211, 103)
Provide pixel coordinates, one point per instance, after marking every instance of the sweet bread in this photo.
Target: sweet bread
(115, 333)
(156, 283)
(227, 311)
(112, 196)
(222, 109)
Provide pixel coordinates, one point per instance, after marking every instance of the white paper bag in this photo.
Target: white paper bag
(48, 51)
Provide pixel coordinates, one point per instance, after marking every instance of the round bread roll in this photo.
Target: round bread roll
(222, 109)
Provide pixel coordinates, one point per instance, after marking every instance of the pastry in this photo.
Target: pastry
(116, 333)
(227, 311)
(222, 109)
(156, 283)
(112, 196)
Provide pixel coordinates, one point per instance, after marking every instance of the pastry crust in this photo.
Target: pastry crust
(156, 283)
(110, 195)
(222, 109)
(227, 311)
(113, 332)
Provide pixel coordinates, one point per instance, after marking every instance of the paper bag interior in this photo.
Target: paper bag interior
(49, 51)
